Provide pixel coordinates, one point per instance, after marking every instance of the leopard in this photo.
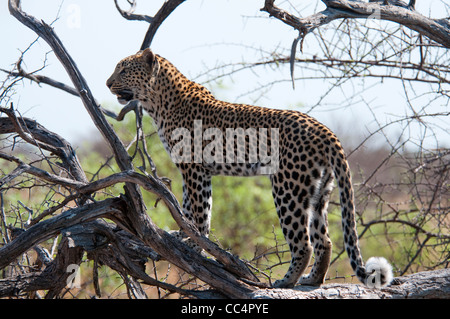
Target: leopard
(305, 159)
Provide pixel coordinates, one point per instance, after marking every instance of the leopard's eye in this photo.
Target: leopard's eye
(122, 72)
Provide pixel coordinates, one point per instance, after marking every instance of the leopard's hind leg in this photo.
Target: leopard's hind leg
(318, 227)
(293, 207)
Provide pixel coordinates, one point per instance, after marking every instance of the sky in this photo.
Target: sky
(198, 35)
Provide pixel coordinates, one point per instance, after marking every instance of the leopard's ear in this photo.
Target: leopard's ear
(153, 65)
(148, 57)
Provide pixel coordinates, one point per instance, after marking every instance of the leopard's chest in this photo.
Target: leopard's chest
(164, 139)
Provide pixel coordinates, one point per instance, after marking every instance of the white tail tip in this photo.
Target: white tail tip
(379, 272)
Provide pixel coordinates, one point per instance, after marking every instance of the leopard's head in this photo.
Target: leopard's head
(133, 77)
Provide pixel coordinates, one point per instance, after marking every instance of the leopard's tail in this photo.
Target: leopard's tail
(377, 272)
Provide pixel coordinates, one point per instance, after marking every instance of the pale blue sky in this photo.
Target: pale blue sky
(193, 38)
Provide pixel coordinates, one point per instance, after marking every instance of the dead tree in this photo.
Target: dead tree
(128, 211)
(117, 231)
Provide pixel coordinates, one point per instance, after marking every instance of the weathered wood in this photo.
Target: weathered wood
(53, 278)
(37, 135)
(51, 227)
(421, 285)
(141, 223)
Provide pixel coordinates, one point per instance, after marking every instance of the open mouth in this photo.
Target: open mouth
(124, 96)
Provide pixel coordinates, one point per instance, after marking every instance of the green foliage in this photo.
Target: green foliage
(243, 213)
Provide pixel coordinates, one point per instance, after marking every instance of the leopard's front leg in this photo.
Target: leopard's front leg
(197, 200)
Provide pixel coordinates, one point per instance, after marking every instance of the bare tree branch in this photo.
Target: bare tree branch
(56, 84)
(43, 79)
(167, 8)
(129, 15)
(37, 135)
(435, 29)
(53, 278)
(48, 228)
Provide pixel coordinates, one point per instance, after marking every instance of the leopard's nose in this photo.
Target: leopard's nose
(109, 83)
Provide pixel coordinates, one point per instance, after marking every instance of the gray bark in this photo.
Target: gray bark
(421, 285)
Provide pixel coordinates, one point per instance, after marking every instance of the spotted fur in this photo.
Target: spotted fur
(310, 158)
